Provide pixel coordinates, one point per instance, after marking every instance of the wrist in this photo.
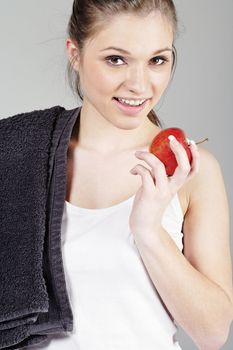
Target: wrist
(150, 239)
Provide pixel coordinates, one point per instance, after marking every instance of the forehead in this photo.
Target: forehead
(131, 32)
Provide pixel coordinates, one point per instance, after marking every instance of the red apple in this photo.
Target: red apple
(160, 147)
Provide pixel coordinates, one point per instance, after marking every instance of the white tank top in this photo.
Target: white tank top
(114, 302)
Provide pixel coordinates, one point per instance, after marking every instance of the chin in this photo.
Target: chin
(128, 123)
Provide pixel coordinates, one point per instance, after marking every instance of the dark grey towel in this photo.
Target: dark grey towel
(33, 296)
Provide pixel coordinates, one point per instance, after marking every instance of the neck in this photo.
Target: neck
(99, 135)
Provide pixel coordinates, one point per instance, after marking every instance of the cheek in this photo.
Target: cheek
(159, 85)
(101, 78)
(107, 81)
(161, 81)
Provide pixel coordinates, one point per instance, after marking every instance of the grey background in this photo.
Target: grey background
(33, 74)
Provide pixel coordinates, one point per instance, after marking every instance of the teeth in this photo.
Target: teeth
(132, 103)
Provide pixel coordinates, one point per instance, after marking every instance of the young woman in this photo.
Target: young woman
(142, 251)
(125, 50)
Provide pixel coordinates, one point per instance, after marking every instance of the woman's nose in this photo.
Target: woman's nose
(137, 79)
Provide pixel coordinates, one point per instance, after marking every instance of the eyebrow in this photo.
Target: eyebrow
(128, 53)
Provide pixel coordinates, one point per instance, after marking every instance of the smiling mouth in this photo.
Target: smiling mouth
(127, 104)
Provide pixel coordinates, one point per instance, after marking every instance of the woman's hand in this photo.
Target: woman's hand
(158, 189)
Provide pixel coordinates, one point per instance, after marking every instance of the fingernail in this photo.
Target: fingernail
(171, 138)
(192, 142)
(133, 171)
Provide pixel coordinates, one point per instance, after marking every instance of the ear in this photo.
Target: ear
(73, 53)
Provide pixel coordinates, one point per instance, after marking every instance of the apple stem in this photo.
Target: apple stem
(197, 143)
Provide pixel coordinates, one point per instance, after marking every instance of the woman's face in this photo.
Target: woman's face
(143, 73)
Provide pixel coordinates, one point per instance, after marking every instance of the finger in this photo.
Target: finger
(147, 178)
(195, 166)
(183, 167)
(158, 168)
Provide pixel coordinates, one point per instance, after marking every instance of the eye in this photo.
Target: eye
(161, 58)
(111, 59)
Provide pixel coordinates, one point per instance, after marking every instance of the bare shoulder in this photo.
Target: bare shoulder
(187, 192)
(206, 191)
(208, 181)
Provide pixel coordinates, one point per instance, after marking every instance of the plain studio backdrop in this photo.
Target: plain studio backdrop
(199, 100)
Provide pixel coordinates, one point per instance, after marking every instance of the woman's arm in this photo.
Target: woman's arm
(197, 286)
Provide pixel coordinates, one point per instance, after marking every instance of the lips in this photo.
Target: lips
(128, 109)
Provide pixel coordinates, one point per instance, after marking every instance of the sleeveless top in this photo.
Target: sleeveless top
(115, 304)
